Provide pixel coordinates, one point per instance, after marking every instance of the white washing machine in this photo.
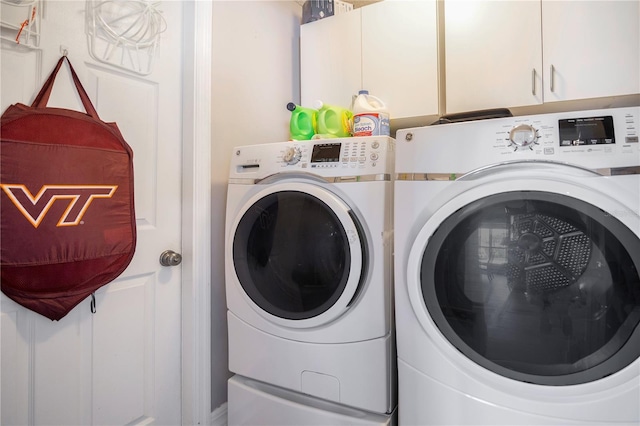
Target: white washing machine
(256, 403)
(517, 253)
(309, 270)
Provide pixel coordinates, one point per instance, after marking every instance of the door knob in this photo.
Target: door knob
(170, 258)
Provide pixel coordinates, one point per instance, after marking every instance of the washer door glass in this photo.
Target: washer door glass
(292, 255)
(536, 286)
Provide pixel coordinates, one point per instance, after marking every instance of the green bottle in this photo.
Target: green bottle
(333, 121)
(303, 122)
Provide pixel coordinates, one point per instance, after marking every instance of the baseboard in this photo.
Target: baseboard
(219, 416)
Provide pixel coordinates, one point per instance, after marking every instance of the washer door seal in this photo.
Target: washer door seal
(299, 255)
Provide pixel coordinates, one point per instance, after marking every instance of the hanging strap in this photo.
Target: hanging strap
(43, 97)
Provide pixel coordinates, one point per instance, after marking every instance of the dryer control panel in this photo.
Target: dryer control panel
(594, 139)
(586, 132)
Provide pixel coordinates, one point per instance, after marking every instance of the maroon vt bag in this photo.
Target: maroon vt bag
(67, 206)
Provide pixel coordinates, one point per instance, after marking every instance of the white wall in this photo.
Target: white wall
(255, 73)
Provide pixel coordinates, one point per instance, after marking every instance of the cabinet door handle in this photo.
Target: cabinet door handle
(533, 82)
(551, 86)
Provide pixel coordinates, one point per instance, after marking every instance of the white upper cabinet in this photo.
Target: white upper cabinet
(493, 52)
(388, 48)
(400, 56)
(519, 53)
(591, 49)
(330, 59)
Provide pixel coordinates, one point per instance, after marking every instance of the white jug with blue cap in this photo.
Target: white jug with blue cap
(370, 116)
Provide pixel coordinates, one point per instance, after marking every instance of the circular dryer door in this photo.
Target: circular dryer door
(299, 254)
(530, 282)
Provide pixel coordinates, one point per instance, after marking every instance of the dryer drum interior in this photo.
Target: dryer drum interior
(292, 255)
(544, 253)
(536, 286)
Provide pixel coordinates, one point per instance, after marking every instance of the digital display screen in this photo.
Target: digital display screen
(586, 131)
(326, 152)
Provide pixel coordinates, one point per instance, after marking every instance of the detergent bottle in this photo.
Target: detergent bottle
(333, 121)
(302, 125)
(370, 116)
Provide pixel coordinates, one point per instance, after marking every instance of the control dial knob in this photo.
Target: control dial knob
(523, 135)
(292, 155)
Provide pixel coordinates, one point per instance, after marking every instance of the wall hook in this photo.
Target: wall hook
(64, 51)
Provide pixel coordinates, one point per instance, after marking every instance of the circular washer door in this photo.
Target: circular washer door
(534, 285)
(299, 254)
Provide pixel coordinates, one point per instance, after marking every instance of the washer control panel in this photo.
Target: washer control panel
(325, 157)
(345, 153)
(342, 153)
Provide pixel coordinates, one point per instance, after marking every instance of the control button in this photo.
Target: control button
(292, 155)
(523, 135)
(374, 156)
(375, 145)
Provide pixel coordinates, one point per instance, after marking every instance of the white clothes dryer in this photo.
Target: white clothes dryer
(254, 403)
(517, 253)
(309, 268)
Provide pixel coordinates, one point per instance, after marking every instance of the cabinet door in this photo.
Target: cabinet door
(400, 56)
(493, 54)
(330, 65)
(591, 49)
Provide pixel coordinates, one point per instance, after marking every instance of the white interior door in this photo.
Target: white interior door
(122, 364)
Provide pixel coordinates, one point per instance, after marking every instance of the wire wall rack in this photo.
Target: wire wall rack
(20, 22)
(124, 33)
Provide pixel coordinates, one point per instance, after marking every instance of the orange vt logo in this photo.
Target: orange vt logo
(35, 207)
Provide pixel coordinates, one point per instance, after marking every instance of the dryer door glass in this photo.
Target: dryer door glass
(291, 255)
(536, 286)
